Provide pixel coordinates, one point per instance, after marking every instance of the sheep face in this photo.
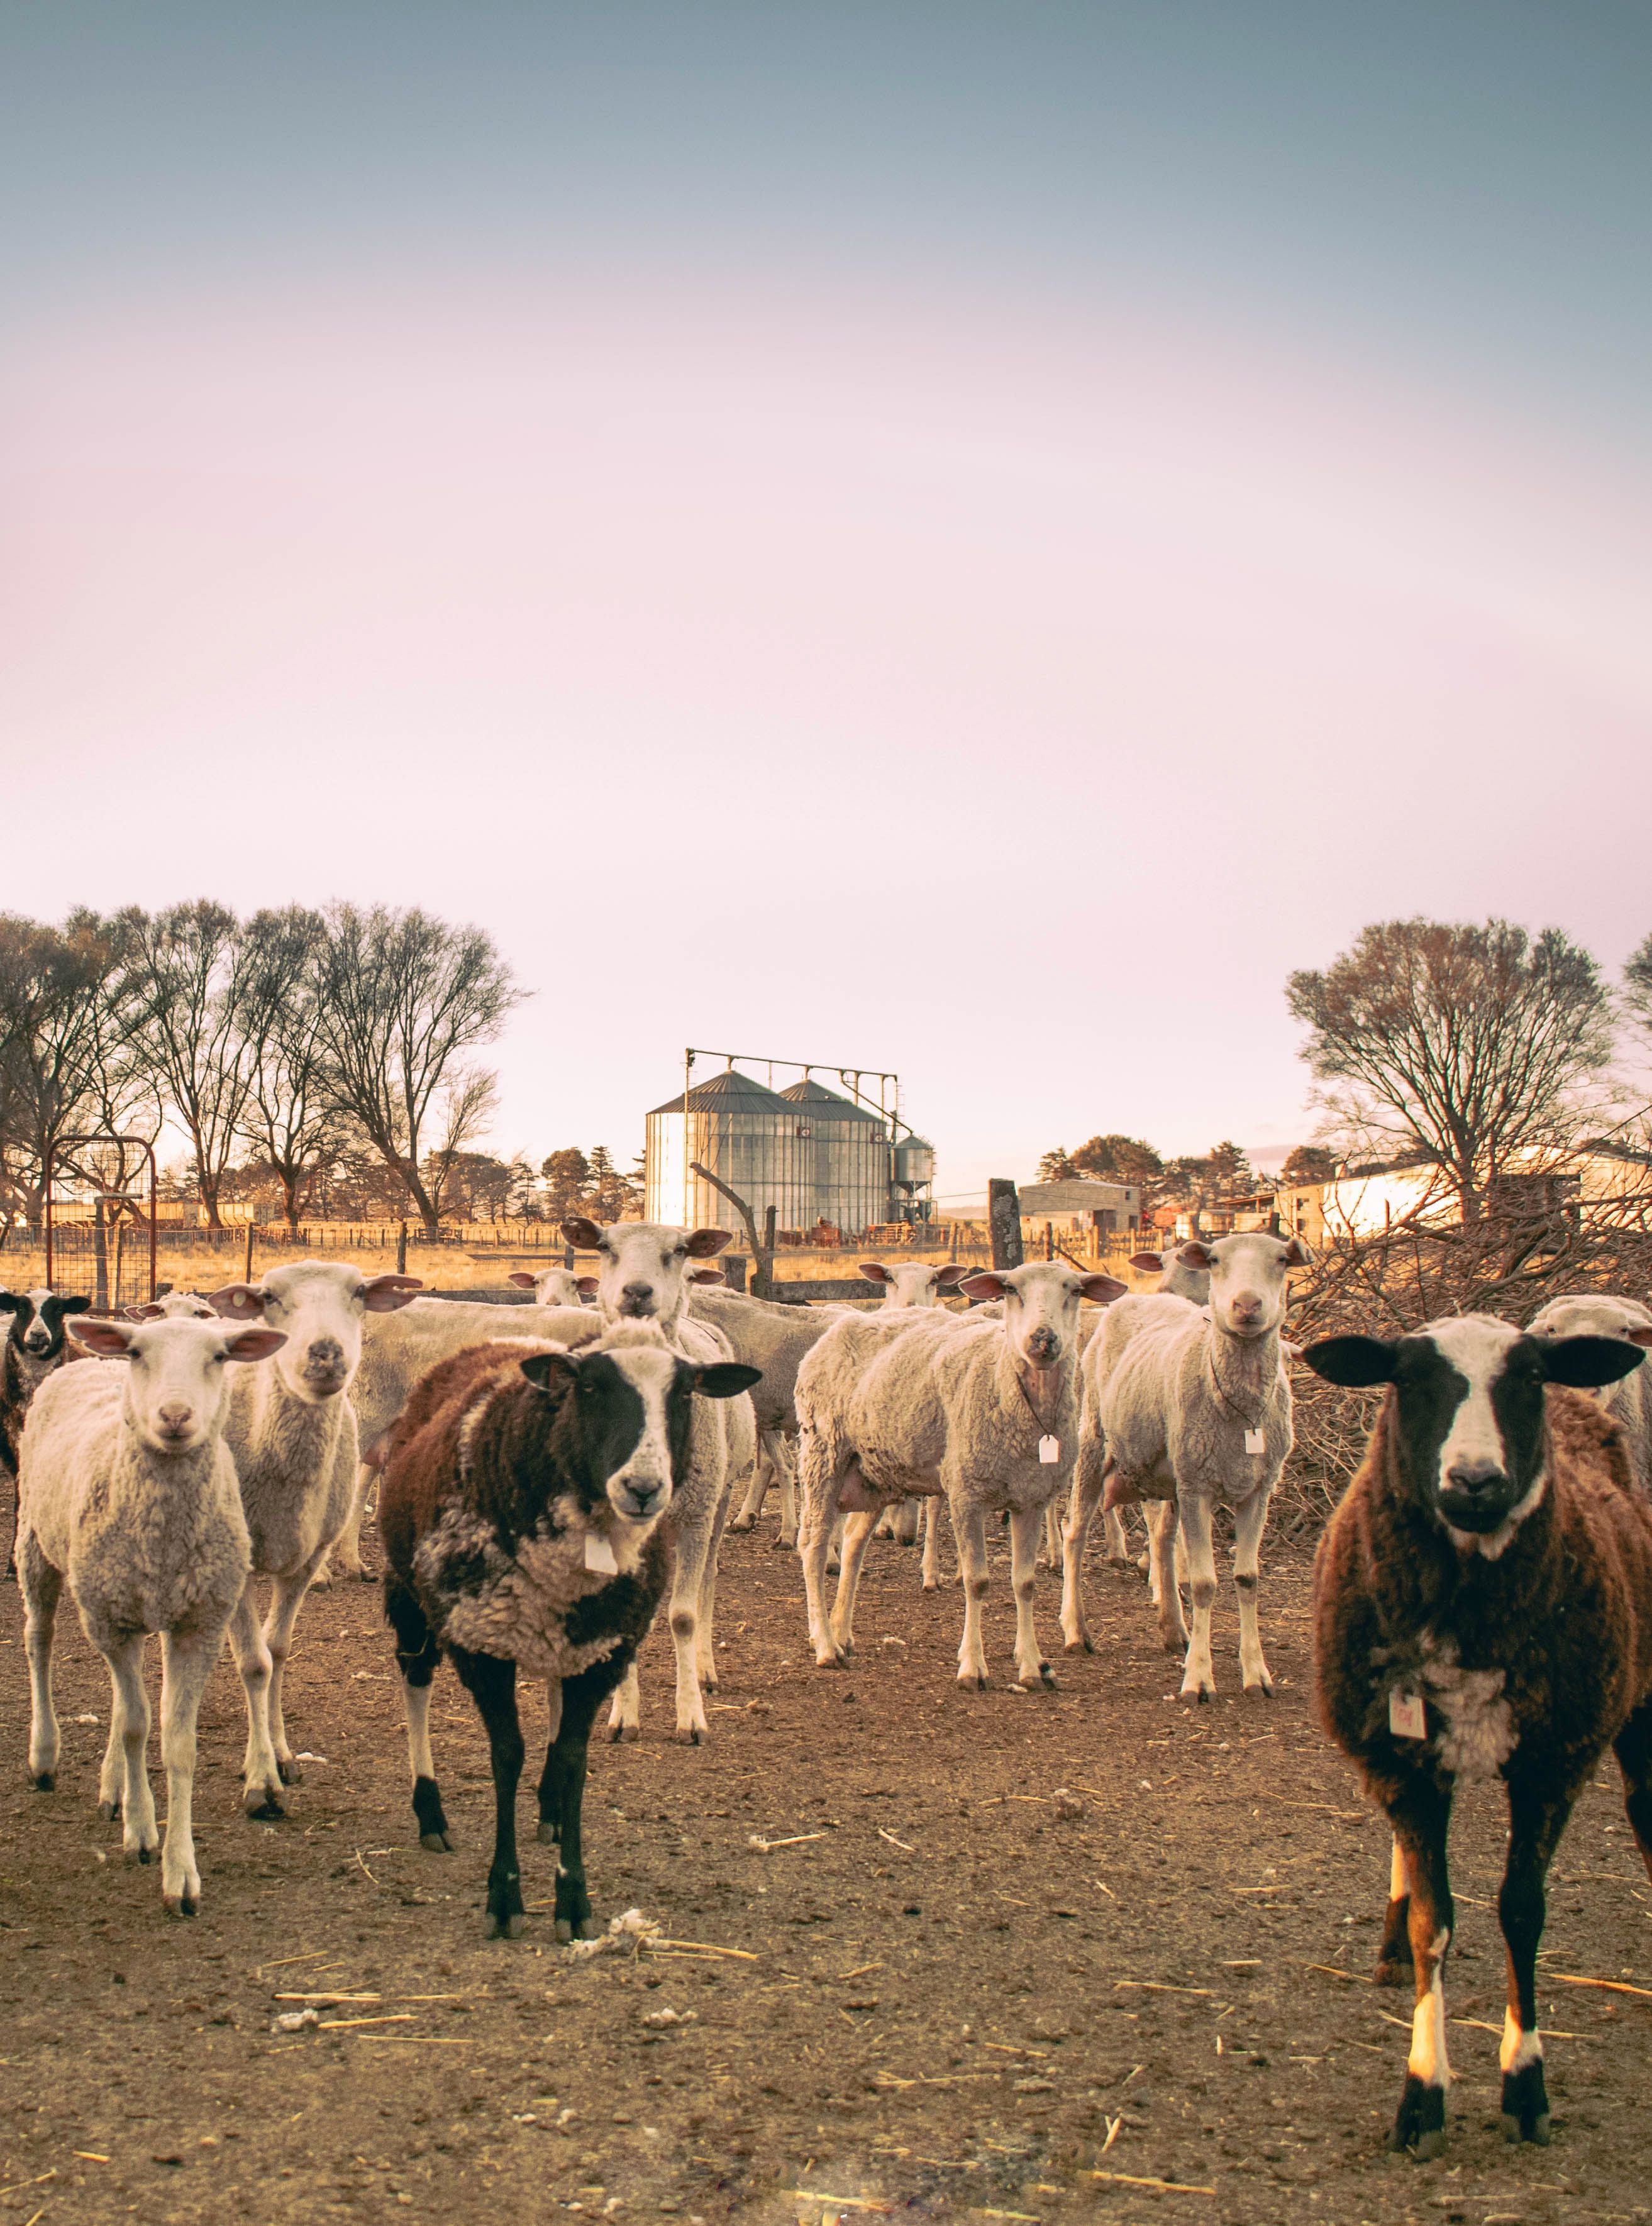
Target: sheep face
(1247, 1272)
(1470, 1409)
(1594, 1314)
(641, 1265)
(913, 1282)
(555, 1286)
(319, 1307)
(38, 1320)
(1041, 1302)
(177, 1388)
(632, 1413)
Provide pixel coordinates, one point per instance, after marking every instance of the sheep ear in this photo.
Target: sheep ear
(703, 1243)
(949, 1278)
(236, 1302)
(580, 1232)
(1296, 1254)
(544, 1368)
(1356, 1363)
(707, 1276)
(521, 1278)
(1588, 1362)
(384, 1294)
(12, 1302)
(74, 1305)
(1149, 1262)
(983, 1284)
(256, 1344)
(152, 1313)
(726, 1379)
(1102, 1290)
(874, 1271)
(112, 1338)
(589, 1285)
(1640, 1334)
(1195, 1255)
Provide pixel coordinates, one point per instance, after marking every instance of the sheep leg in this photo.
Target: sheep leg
(286, 1598)
(969, 1530)
(1024, 1523)
(885, 1525)
(43, 1588)
(1420, 1819)
(908, 1518)
(1115, 1541)
(705, 1639)
(1052, 1535)
(1198, 1676)
(1534, 1829)
(1164, 1568)
(818, 1476)
(562, 1798)
(1633, 1748)
(1081, 1513)
(1249, 1521)
(125, 1655)
(625, 1716)
(693, 1547)
(859, 1531)
(757, 1491)
(834, 1547)
(260, 1771)
(417, 1655)
(786, 1469)
(1394, 1956)
(347, 1544)
(186, 1659)
(490, 1684)
(932, 1570)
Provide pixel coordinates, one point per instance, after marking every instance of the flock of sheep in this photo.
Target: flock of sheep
(553, 1474)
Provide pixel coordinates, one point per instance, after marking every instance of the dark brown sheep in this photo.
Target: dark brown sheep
(1483, 1607)
(520, 1511)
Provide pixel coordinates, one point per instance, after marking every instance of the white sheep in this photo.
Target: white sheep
(130, 1497)
(292, 1431)
(985, 1411)
(555, 1287)
(772, 1338)
(1595, 1314)
(1191, 1406)
(642, 1269)
(911, 1283)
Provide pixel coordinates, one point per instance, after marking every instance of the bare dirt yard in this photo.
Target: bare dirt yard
(953, 1995)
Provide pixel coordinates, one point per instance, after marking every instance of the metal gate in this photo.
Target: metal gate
(109, 1168)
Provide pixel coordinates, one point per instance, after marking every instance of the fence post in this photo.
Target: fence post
(247, 1277)
(1004, 1220)
(765, 1265)
(400, 1250)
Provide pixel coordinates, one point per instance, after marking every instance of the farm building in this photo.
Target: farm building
(813, 1156)
(1082, 1204)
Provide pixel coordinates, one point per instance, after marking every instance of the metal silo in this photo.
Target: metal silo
(744, 1133)
(846, 1149)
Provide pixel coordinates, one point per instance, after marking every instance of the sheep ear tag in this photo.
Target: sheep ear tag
(599, 1555)
(1405, 1718)
(1255, 1442)
(1048, 1449)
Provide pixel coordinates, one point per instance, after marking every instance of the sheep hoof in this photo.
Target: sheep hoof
(564, 1931)
(142, 1854)
(363, 1576)
(785, 1545)
(504, 1928)
(290, 1772)
(109, 1812)
(1264, 1686)
(436, 1843)
(180, 1904)
(1046, 1678)
(546, 1834)
(623, 1731)
(321, 1582)
(262, 1807)
(971, 1681)
(1430, 2146)
(1393, 1971)
(742, 1523)
(1535, 2130)
(44, 1781)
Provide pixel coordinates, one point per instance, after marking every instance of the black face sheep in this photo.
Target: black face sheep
(33, 1348)
(1483, 1607)
(520, 1512)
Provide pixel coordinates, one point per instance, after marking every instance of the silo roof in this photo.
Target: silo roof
(816, 1093)
(728, 1092)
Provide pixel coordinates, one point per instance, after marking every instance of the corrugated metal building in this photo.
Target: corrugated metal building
(807, 1152)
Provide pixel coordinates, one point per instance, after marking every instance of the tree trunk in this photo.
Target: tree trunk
(421, 1197)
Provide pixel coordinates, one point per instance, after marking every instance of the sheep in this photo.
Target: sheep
(34, 1347)
(911, 1283)
(524, 1494)
(774, 1338)
(642, 1267)
(1178, 1274)
(292, 1432)
(397, 1349)
(174, 1306)
(986, 1412)
(1630, 1400)
(129, 1496)
(1190, 1407)
(555, 1286)
(1483, 1607)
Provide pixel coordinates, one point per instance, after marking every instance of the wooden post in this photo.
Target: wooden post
(765, 1265)
(400, 1250)
(734, 1265)
(1049, 1240)
(1004, 1220)
(741, 1208)
(247, 1276)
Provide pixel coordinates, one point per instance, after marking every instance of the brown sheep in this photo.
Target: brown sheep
(1483, 1607)
(520, 1512)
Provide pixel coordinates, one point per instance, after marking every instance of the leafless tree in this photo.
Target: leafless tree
(404, 997)
(290, 1118)
(1472, 1047)
(470, 1099)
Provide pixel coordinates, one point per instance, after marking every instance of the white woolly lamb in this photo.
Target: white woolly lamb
(1596, 1313)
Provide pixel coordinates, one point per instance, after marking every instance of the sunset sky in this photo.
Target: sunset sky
(968, 539)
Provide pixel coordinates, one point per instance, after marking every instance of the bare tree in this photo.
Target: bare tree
(69, 1013)
(193, 969)
(470, 1098)
(289, 1118)
(1469, 1047)
(404, 997)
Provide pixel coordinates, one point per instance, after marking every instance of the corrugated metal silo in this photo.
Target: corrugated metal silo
(850, 1147)
(807, 1153)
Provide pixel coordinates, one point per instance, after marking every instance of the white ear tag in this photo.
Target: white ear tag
(1406, 1717)
(1049, 1450)
(599, 1555)
(1255, 1442)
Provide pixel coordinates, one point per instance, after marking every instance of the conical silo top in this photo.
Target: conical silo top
(727, 1092)
(809, 1093)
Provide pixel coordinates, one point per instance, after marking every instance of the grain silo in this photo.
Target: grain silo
(807, 1153)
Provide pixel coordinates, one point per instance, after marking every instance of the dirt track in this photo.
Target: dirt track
(956, 1993)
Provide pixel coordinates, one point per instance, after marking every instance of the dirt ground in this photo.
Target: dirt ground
(955, 1997)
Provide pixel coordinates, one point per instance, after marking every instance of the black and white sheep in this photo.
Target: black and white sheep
(1483, 1607)
(33, 1348)
(521, 1514)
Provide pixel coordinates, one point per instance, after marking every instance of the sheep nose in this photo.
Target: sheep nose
(641, 1496)
(637, 1299)
(1043, 1345)
(1246, 1306)
(1475, 1476)
(175, 1418)
(324, 1363)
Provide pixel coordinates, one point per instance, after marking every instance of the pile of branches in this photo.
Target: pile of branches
(1421, 1267)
